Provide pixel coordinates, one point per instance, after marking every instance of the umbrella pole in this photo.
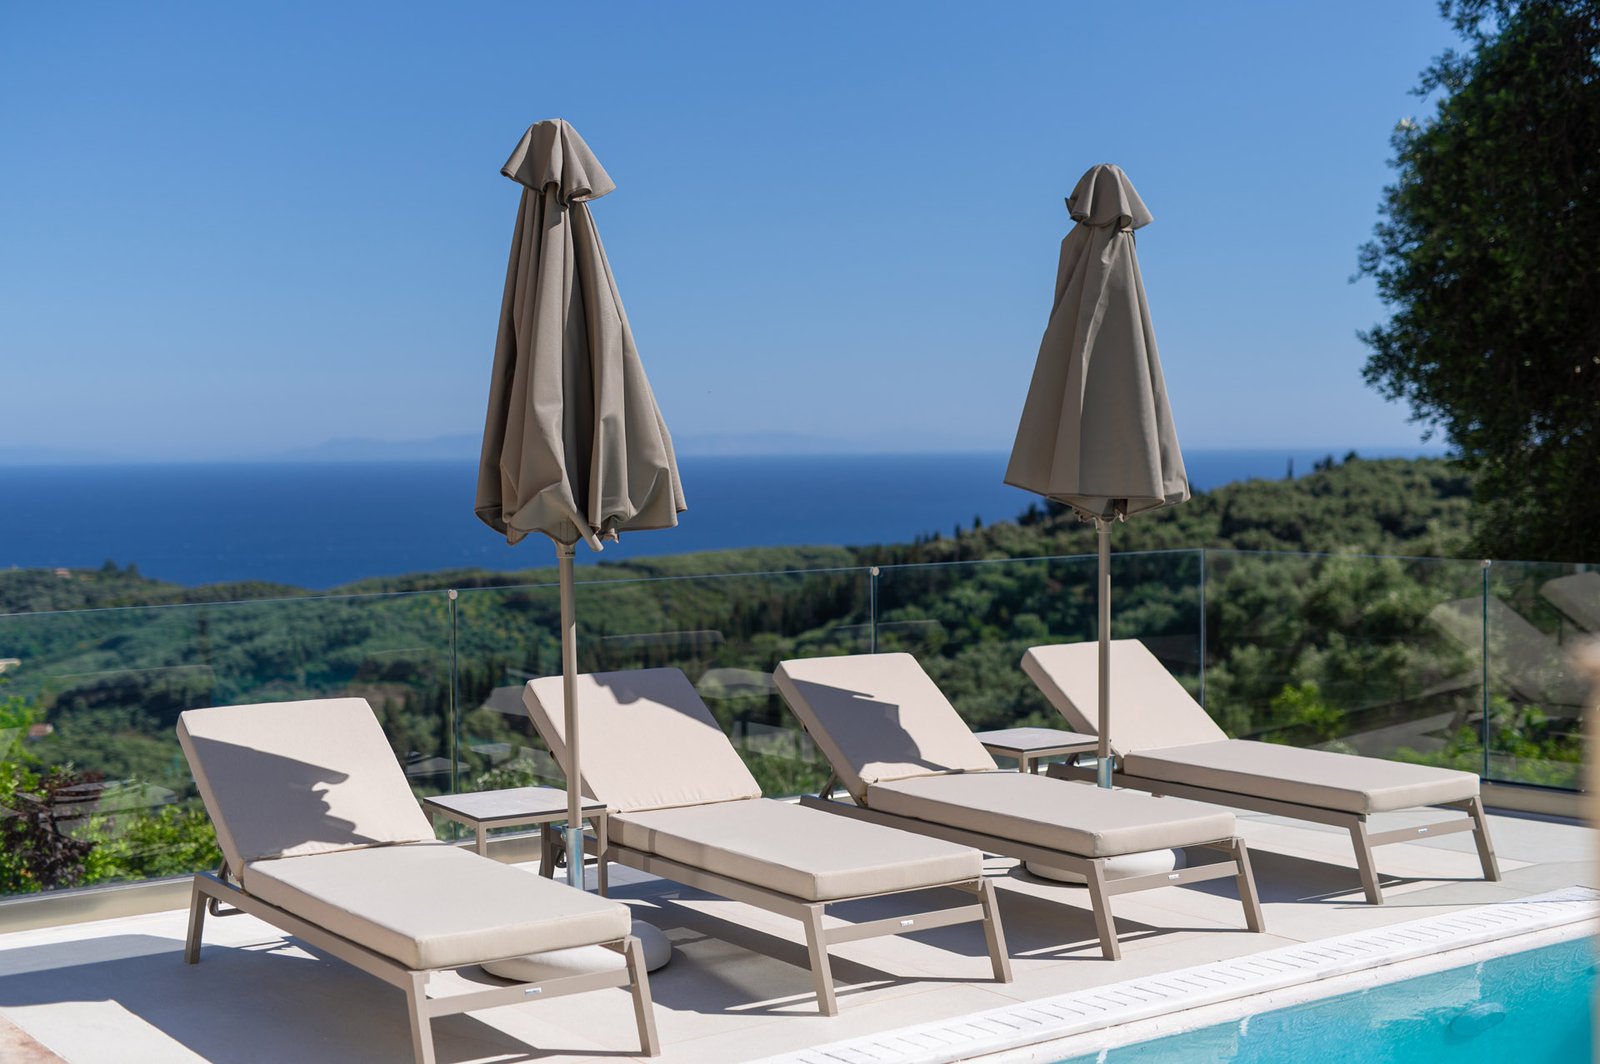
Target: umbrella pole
(569, 692)
(1103, 753)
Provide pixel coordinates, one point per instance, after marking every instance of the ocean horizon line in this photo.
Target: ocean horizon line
(1337, 451)
(322, 524)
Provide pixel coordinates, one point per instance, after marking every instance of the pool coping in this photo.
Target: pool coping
(1084, 1021)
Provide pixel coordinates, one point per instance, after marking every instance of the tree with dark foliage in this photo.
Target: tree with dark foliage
(1489, 256)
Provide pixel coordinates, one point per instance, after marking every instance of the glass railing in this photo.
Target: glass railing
(93, 785)
(1435, 661)
(969, 623)
(1533, 615)
(727, 633)
(1374, 656)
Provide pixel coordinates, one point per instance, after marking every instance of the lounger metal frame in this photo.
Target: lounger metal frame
(1102, 888)
(1355, 823)
(811, 913)
(212, 891)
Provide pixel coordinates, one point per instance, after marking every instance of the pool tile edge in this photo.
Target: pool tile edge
(1145, 997)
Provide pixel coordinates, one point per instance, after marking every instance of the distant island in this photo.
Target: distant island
(1404, 507)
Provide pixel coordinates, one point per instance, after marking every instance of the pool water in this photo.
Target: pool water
(1531, 1006)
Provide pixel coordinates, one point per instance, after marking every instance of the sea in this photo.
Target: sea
(319, 525)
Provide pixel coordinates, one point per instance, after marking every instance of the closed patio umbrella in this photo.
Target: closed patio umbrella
(1096, 431)
(573, 444)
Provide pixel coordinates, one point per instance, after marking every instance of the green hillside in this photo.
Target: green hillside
(1330, 645)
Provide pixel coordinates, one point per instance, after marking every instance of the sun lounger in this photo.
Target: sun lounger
(909, 761)
(322, 838)
(685, 807)
(1166, 743)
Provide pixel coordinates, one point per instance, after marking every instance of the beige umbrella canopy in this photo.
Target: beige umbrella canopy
(1096, 431)
(573, 444)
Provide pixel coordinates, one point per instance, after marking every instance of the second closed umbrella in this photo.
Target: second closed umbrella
(574, 446)
(1096, 432)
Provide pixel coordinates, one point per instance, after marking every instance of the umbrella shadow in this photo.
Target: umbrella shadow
(1042, 928)
(694, 727)
(1282, 877)
(271, 802)
(723, 966)
(241, 1004)
(877, 729)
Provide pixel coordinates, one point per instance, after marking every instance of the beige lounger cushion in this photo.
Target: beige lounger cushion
(1076, 818)
(647, 741)
(1318, 778)
(1162, 733)
(434, 905)
(285, 779)
(1149, 708)
(805, 853)
(879, 717)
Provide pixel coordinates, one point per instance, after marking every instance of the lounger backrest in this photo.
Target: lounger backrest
(879, 717)
(1150, 710)
(287, 779)
(646, 740)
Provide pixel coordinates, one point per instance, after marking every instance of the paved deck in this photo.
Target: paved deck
(737, 989)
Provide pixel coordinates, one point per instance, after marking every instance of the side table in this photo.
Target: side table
(1028, 745)
(518, 806)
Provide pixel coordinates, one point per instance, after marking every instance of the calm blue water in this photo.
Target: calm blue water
(317, 525)
(1531, 1007)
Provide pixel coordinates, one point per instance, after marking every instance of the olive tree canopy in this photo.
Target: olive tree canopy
(1488, 255)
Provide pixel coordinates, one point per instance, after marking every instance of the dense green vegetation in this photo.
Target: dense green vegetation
(1489, 258)
(1287, 624)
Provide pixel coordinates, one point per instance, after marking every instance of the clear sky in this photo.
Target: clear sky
(233, 229)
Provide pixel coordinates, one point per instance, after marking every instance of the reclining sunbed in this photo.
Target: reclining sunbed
(322, 838)
(1165, 743)
(909, 761)
(684, 807)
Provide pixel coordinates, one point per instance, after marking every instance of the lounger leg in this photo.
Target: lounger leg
(547, 851)
(197, 923)
(643, 1010)
(1096, 881)
(821, 972)
(602, 862)
(1480, 835)
(993, 933)
(1247, 888)
(421, 1027)
(1369, 873)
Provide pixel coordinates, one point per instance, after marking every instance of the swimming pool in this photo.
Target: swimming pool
(1531, 1006)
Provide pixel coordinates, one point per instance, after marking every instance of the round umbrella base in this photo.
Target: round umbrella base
(537, 967)
(584, 960)
(1131, 864)
(654, 942)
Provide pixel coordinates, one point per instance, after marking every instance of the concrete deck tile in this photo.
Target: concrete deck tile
(864, 1017)
(117, 991)
(17, 1048)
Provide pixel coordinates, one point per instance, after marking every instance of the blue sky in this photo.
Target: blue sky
(229, 230)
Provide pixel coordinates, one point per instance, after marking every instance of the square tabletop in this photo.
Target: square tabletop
(1037, 740)
(516, 803)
